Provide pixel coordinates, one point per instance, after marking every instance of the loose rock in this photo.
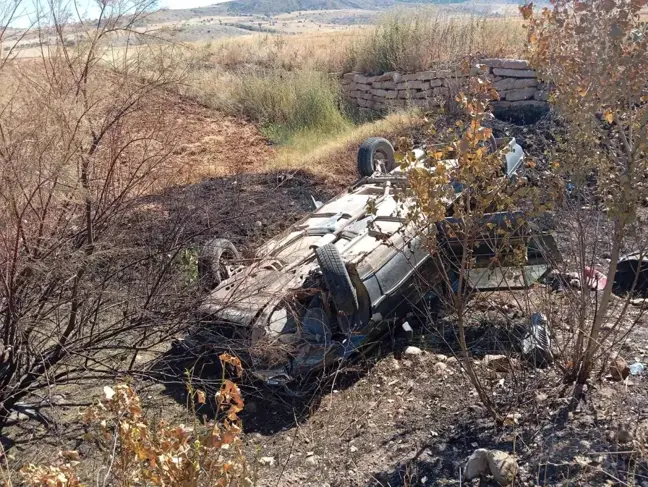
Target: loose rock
(503, 467)
(575, 283)
(619, 369)
(622, 436)
(267, 461)
(452, 361)
(499, 363)
(312, 460)
(413, 351)
(440, 368)
(477, 464)
(499, 464)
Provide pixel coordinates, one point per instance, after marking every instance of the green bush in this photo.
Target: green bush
(289, 103)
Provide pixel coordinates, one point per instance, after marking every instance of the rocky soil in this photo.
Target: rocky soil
(405, 414)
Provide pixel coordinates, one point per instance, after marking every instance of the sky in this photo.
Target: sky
(22, 19)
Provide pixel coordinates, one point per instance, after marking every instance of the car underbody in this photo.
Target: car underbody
(345, 275)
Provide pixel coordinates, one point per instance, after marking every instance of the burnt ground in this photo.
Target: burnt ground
(388, 418)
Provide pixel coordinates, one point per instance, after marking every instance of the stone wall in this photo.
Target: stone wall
(517, 84)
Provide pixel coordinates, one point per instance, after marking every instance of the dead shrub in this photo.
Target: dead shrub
(83, 139)
(595, 54)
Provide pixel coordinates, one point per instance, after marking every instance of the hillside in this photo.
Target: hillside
(273, 7)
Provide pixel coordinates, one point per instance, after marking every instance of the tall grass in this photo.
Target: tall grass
(285, 84)
(286, 104)
(333, 156)
(416, 40)
(326, 52)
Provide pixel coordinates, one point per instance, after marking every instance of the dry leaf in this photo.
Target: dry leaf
(71, 455)
(202, 398)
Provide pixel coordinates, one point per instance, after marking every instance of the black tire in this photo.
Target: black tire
(211, 262)
(373, 150)
(337, 279)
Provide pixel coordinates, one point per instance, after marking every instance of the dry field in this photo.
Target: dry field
(250, 127)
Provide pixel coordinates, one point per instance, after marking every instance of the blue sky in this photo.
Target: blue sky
(88, 6)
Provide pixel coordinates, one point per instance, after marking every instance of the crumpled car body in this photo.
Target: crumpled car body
(280, 304)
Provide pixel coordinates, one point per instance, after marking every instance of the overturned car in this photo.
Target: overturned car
(343, 276)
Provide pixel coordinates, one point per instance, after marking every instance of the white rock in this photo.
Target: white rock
(413, 351)
(440, 368)
(267, 461)
(312, 460)
(499, 464)
(502, 466)
(353, 449)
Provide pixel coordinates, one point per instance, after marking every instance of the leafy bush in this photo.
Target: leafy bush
(596, 55)
(141, 453)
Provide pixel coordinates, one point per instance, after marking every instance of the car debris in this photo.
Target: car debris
(536, 344)
(632, 275)
(343, 276)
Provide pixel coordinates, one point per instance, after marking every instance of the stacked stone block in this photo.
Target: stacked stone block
(515, 81)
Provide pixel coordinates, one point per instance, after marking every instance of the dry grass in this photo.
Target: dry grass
(285, 103)
(327, 52)
(411, 41)
(333, 156)
(284, 83)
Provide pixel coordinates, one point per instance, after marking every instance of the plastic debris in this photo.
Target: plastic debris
(636, 368)
(595, 280)
(536, 344)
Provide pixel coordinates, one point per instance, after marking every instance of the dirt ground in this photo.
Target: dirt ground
(389, 418)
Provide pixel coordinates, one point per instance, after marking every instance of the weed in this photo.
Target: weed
(286, 104)
(411, 41)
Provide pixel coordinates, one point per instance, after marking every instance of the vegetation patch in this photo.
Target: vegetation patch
(410, 41)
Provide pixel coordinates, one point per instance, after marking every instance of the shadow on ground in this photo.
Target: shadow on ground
(267, 409)
(551, 447)
(244, 208)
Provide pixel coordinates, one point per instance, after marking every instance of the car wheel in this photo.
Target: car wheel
(214, 260)
(337, 279)
(630, 269)
(375, 154)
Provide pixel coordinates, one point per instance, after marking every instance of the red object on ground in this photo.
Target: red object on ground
(595, 279)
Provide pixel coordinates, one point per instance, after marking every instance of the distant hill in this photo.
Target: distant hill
(273, 7)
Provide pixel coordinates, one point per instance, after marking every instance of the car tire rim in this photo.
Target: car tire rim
(225, 265)
(380, 162)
